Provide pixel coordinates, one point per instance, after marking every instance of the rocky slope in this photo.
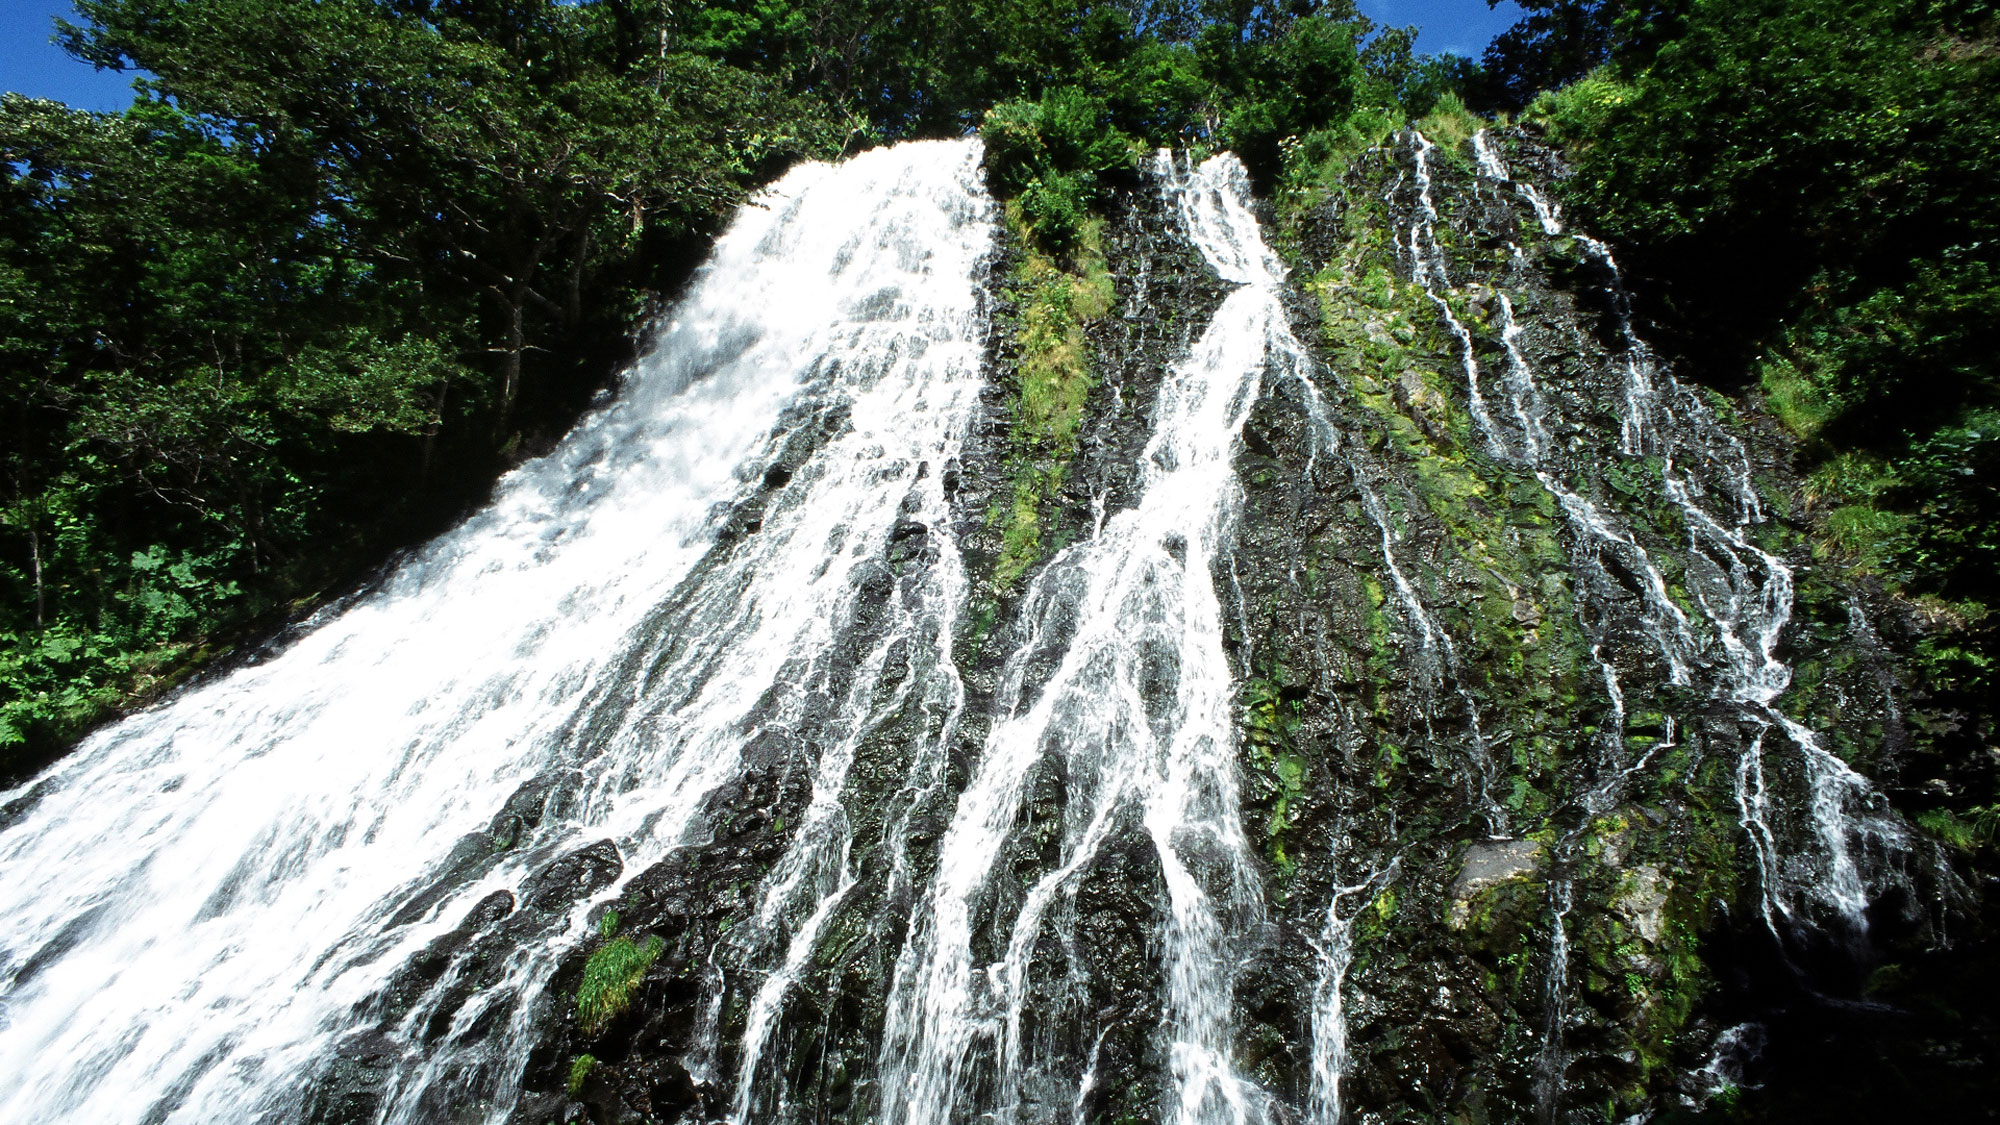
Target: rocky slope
(1562, 760)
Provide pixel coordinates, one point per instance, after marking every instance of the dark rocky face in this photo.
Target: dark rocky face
(1531, 840)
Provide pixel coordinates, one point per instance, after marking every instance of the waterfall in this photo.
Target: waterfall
(1427, 267)
(197, 903)
(1139, 714)
(1741, 592)
(727, 675)
(1744, 592)
(1335, 949)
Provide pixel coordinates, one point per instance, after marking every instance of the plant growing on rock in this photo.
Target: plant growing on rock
(610, 978)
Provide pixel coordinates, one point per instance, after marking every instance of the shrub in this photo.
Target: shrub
(1579, 110)
(1056, 207)
(1048, 154)
(1449, 124)
(1015, 151)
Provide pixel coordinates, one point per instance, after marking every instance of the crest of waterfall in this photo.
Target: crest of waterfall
(198, 902)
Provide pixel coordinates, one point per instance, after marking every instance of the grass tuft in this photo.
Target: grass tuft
(1450, 125)
(609, 979)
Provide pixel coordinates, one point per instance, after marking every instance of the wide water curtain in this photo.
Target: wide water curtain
(206, 900)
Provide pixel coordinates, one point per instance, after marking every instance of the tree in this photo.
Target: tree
(295, 304)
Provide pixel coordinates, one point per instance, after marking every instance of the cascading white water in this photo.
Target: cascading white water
(1554, 1058)
(1335, 947)
(1744, 593)
(1213, 206)
(1671, 632)
(913, 651)
(1667, 623)
(1211, 201)
(1428, 267)
(195, 904)
(1439, 652)
(1139, 713)
(198, 905)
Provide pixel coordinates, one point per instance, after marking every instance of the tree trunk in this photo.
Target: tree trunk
(510, 362)
(35, 561)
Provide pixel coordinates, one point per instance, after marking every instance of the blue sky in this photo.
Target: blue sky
(30, 64)
(1462, 27)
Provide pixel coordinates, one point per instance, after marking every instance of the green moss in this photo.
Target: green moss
(579, 1072)
(1385, 904)
(1525, 799)
(1801, 404)
(1021, 539)
(984, 615)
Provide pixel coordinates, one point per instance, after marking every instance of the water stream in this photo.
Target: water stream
(1742, 594)
(1139, 714)
(195, 902)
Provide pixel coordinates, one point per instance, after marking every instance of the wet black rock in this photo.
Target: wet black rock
(1472, 763)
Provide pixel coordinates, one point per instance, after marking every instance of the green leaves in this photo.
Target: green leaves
(1050, 153)
(366, 384)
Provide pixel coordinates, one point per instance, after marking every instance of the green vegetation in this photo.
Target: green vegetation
(1052, 375)
(1449, 125)
(1576, 111)
(579, 1073)
(1809, 192)
(1048, 155)
(610, 978)
(1976, 828)
(1269, 721)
